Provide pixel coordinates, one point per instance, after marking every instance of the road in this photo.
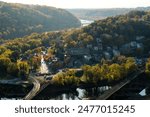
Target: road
(36, 84)
(43, 68)
(35, 89)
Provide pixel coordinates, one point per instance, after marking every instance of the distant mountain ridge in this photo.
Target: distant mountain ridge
(96, 14)
(17, 20)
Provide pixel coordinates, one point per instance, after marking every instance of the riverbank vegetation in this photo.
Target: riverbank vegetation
(148, 68)
(10, 66)
(97, 74)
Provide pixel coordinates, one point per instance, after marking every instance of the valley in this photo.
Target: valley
(53, 54)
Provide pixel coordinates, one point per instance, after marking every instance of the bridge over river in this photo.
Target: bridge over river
(129, 88)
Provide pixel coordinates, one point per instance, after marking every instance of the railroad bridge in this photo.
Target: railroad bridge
(129, 88)
(132, 90)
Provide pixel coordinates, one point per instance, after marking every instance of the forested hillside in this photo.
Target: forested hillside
(17, 20)
(96, 14)
(122, 29)
(127, 34)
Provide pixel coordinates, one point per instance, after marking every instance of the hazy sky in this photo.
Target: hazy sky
(86, 3)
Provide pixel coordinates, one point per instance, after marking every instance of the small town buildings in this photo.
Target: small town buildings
(107, 55)
(131, 47)
(77, 51)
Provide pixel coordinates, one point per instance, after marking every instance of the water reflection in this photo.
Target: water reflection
(143, 92)
(78, 94)
(86, 22)
(65, 96)
(5, 98)
(91, 93)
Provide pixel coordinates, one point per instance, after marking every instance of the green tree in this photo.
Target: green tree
(4, 63)
(130, 65)
(116, 71)
(12, 69)
(23, 69)
(148, 68)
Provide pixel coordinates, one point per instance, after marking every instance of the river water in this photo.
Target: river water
(75, 94)
(86, 22)
(72, 94)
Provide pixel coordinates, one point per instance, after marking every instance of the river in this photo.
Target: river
(51, 93)
(72, 94)
(86, 22)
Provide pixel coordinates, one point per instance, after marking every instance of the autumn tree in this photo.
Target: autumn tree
(23, 69)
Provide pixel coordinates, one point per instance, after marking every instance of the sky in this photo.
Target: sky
(86, 3)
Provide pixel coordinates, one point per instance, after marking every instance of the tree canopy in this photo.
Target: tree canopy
(17, 20)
